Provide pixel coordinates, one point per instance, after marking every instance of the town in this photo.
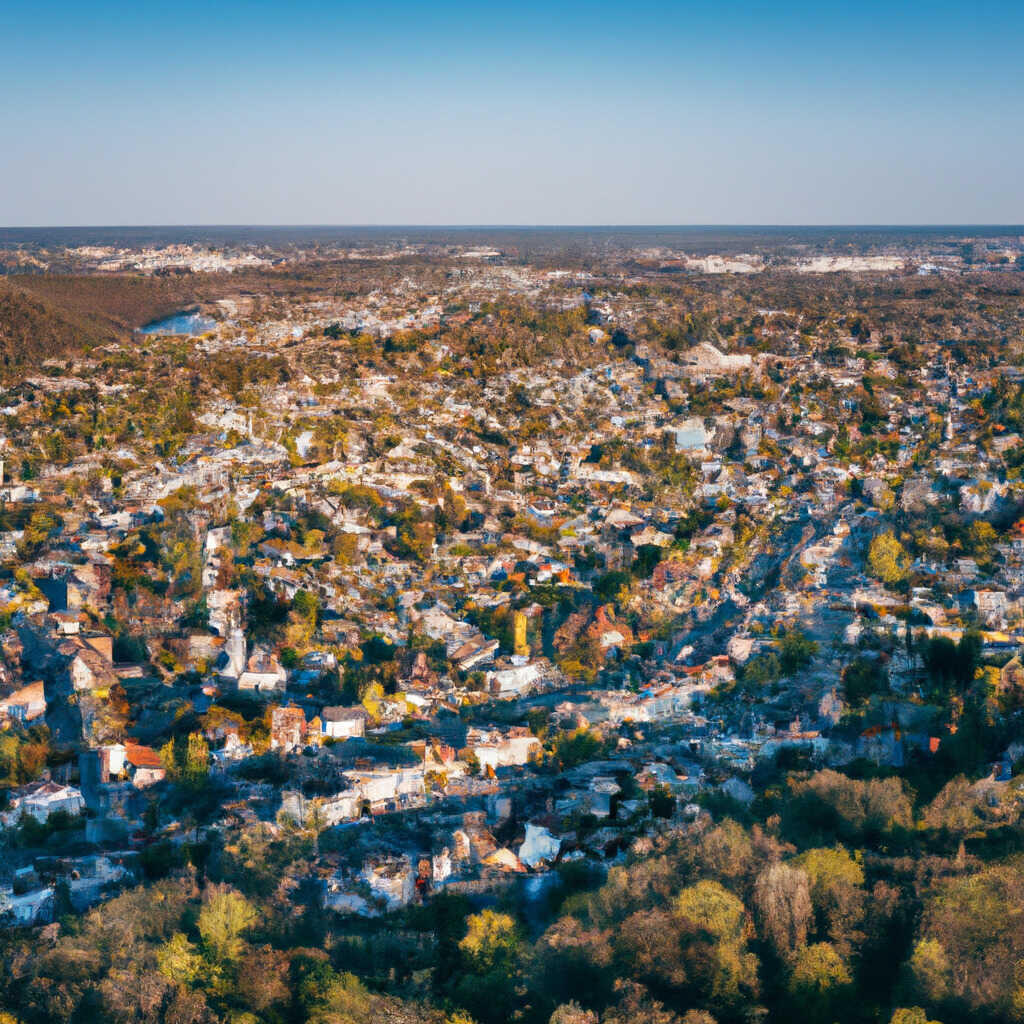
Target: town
(358, 581)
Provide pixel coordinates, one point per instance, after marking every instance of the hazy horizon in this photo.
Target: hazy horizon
(539, 226)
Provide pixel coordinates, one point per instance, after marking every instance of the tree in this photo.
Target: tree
(572, 1013)
(635, 1006)
(43, 524)
(981, 536)
(574, 960)
(715, 950)
(262, 978)
(763, 670)
(224, 916)
(837, 893)
(796, 649)
(828, 804)
(575, 747)
(491, 951)
(950, 664)
(910, 1015)
(647, 558)
(650, 941)
(197, 760)
(862, 679)
(931, 970)
(492, 941)
(783, 902)
(612, 585)
(662, 802)
(727, 852)
(971, 943)
(187, 760)
(820, 979)
(888, 561)
(179, 960)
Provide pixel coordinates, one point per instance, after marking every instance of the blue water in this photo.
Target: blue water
(181, 323)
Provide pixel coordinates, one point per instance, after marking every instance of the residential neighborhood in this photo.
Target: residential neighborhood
(483, 579)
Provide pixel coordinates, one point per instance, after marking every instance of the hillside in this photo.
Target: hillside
(43, 317)
(32, 329)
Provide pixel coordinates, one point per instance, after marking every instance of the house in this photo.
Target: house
(25, 704)
(345, 805)
(233, 750)
(342, 723)
(27, 909)
(385, 789)
(143, 765)
(602, 789)
(493, 750)
(287, 728)
(91, 879)
(474, 653)
(390, 880)
(66, 623)
(538, 845)
(263, 673)
(414, 671)
(88, 669)
(514, 681)
(435, 755)
(992, 605)
(41, 799)
(611, 636)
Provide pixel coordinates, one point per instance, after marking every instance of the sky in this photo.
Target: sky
(393, 112)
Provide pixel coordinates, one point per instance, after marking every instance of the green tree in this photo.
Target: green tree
(224, 916)
(837, 892)
(491, 952)
(971, 943)
(862, 679)
(179, 960)
(796, 649)
(763, 670)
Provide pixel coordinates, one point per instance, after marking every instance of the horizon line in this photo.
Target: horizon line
(531, 226)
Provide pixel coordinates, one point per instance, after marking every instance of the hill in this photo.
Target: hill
(43, 317)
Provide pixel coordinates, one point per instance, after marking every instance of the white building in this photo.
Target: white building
(40, 800)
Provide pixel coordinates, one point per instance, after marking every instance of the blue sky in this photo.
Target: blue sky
(464, 113)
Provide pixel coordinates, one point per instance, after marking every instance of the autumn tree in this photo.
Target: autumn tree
(783, 903)
(820, 981)
(971, 944)
(888, 560)
(715, 942)
(224, 916)
(837, 894)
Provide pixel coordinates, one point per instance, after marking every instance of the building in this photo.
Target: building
(41, 799)
(287, 729)
(24, 705)
(342, 723)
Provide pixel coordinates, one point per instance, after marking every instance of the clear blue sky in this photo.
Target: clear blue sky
(463, 113)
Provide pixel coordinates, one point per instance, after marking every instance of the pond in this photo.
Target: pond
(180, 323)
